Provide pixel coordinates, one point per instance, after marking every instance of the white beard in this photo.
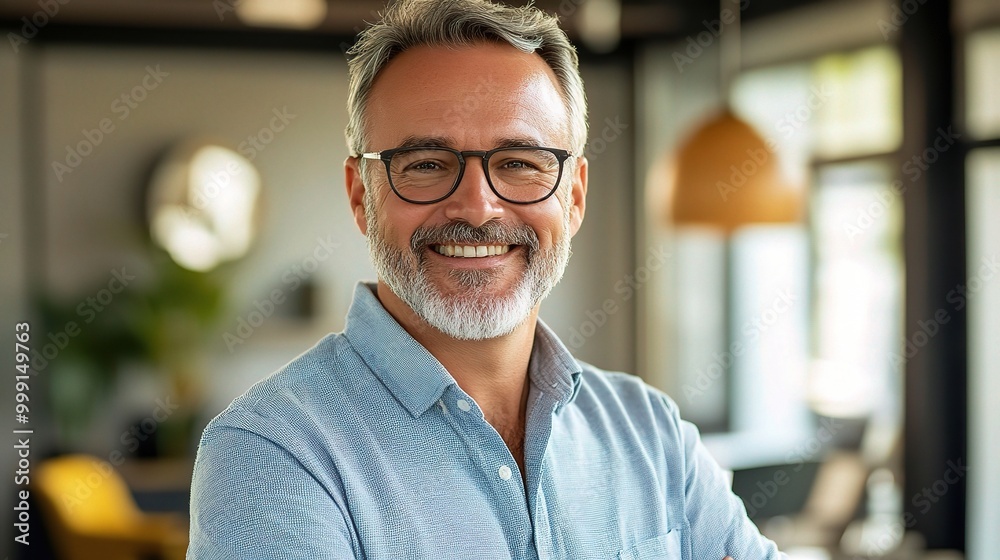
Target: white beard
(476, 314)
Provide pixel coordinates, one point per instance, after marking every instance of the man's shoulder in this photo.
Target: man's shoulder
(621, 389)
(297, 386)
(629, 412)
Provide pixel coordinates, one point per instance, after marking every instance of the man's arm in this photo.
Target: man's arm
(719, 523)
(250, 498)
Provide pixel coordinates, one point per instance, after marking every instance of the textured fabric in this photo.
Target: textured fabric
(365, 447)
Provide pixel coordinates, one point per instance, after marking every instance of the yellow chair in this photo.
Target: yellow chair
(91, 515)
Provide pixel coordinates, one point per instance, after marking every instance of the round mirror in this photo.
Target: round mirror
(202, 204)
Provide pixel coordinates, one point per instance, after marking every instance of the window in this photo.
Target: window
(982, 116)
(982, 105)
(780, 325)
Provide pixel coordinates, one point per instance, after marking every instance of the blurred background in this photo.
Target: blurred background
(792, 229)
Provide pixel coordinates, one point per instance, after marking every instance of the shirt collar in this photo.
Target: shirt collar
(415, 377)
(406, 368)
(552, 367)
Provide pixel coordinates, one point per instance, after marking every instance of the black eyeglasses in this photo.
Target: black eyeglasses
(429, 174)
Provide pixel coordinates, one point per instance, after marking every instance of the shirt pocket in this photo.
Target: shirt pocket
(663, 547)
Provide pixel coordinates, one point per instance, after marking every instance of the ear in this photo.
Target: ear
(578, 195)
(356, 191)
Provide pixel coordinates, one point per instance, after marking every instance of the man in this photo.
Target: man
(447, 421)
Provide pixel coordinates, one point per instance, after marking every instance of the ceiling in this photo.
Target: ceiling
(640, 19)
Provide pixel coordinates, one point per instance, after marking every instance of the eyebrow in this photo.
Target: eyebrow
(449, 142)
(519, 142)
(434, 141)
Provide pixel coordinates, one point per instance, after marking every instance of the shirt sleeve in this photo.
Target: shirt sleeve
(251, 498)
(718, 521)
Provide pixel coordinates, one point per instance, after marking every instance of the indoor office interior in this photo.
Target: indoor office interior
(792, 228)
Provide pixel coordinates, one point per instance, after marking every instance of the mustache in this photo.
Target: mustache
(461, 233)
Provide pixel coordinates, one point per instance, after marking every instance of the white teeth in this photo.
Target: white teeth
(470, 251)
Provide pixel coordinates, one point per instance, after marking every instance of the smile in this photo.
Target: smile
(470, 251)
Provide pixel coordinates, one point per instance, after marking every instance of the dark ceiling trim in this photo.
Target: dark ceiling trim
(263, 39)
(640, 20)
(214, 22)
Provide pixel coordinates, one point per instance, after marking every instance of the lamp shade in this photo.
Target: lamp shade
(725, 175)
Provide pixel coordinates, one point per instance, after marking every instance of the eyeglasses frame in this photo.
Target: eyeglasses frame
(386, 157)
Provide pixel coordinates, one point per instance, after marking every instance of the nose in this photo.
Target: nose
(473, 202)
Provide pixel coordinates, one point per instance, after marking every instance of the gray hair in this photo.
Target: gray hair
(411, 23)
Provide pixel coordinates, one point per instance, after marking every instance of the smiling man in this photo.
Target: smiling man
(447, 421)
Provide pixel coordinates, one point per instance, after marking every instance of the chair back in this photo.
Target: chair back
(86, 495)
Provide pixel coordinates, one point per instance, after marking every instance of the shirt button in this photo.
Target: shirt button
(464, 405)
(504, 472)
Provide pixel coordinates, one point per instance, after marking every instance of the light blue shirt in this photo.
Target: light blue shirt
(365, 447)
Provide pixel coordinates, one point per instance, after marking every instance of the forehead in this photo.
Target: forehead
(474, 96)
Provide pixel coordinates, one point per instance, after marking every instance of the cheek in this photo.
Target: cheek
(399, 220)
(380, 204)
(549, 223)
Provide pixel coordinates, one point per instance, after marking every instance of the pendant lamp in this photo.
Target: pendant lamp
(724, 174)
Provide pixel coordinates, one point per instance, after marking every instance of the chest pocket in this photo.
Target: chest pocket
(663, 547)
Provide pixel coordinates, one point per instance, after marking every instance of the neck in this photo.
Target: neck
(494, 372)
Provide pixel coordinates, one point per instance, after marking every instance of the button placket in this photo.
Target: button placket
(489, 452)
(464, 423)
